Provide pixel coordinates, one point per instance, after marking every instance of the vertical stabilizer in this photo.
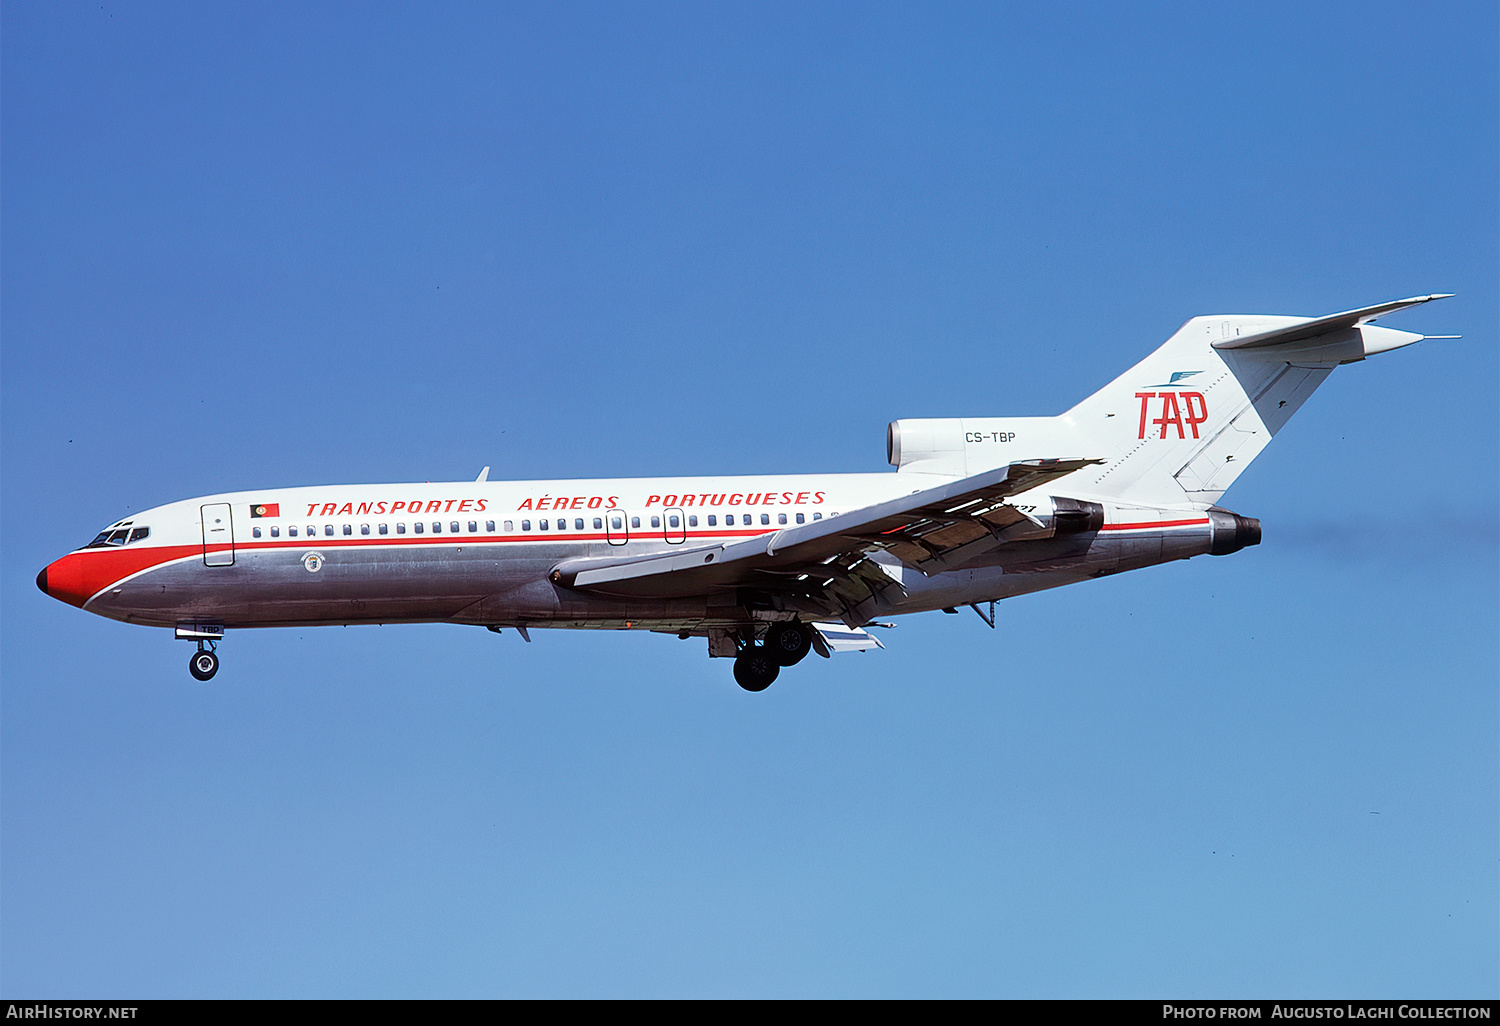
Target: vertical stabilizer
(1180, 426)
(1184, 423)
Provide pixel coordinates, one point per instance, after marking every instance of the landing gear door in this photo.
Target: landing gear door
(218, 535)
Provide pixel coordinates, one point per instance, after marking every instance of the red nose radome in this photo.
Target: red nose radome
(63, 580)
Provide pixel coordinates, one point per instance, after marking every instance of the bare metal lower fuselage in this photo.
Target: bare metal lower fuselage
(506, 584)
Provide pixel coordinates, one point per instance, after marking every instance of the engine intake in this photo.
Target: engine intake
(932, 446)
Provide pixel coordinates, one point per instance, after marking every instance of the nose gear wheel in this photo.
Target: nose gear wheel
(203, 665)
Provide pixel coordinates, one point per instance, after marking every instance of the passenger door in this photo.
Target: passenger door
(218, 535)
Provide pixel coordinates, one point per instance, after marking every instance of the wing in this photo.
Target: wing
(828, 562)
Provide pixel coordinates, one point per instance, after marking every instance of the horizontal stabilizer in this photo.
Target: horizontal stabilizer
(1316, 326)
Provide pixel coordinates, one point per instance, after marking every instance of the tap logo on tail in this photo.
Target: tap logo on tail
(1182, 416)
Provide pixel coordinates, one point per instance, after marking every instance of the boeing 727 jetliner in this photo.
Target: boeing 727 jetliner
(766, 568)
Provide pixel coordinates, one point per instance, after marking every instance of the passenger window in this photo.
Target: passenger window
(364, 528)
(348, 529)
(542, 524)
(255, 532)
(781, 518)
(801, 518)
(312, 530)
(673, 520)
(526, 525)
(616, 523)
(416, 528)
(291, 532)
(453, 527)
(400, 528)
(598, 524)
(713, 521)
(765, 518)
(510, 525)
(328, 530)
(143, 532)
(383, 528)
(474, 526)
(817, 516)
(656, 521)
(437, 527)
(729, 519)
(692, 520)
(578, 523)
(635, 521)
(276, 532)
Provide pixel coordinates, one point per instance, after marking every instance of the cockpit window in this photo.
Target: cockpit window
(119, 534)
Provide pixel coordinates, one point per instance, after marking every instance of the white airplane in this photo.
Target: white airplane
(766, 568)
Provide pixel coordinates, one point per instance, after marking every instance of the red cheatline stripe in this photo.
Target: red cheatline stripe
(107, 567)
(104, 568)
(1152, 524)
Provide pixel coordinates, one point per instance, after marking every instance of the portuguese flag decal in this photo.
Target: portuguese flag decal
(265, 509)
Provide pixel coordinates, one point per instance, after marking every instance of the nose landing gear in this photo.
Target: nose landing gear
(204, 663)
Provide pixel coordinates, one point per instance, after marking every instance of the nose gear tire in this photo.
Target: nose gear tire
(203, 665)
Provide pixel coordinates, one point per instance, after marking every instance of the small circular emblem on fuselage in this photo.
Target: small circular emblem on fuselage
(313, 561)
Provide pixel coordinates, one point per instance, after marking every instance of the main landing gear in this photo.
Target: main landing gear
(759, 663)
(789, 641)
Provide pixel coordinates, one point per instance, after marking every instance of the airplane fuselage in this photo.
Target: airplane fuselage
(481, 552)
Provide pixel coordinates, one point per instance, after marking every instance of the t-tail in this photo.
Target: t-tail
(1177, 428)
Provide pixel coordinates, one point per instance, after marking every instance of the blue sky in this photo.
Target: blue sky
(295, 244)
